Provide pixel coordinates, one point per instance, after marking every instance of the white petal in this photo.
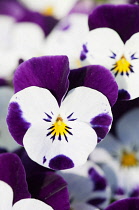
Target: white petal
(32, 204)
(6, 140)
(6, 196)
(34, 102)
(100, 155)
(27, 39)
(8, 62)
(68, 41)
(38, 145)
(101, 43)
(6, 25)
(86, 103)
(111, 144)
(128, 128)
(60, 7)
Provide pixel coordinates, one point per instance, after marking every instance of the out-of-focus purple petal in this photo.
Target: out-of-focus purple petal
(3, 82)
(12, 172)
(125, 204)
(50, 72)
(95, 77)
(51, 189)
(121, 18)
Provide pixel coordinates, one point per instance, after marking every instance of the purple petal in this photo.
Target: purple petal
(99, 181)
(101, 125)
(96, 77)
(3, 82)
(121, 18)
(51, 189)
(22, 14)
(16, 124)
(125, 204)
(50, 72)
(12, 172)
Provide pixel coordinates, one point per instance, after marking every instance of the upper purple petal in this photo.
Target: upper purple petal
(96, 77)
(22, 14)
(50, 72)
(122, 18)
(51, 189)
(125, 204)
(12, 172)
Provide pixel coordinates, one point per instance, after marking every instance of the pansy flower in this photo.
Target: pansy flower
(56, 8)
(56, 132)
(113, 43)
(88, 186)
(121, 164)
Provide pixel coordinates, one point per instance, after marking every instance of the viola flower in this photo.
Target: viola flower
(60, 134)
(121, 164)
(87, 186)
(115, 45)
(67, 37)
(55, 8)
(17, 42)
(6, 141)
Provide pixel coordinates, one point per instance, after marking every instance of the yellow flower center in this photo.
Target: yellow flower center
(49, 11)
(122, 67)
(60, 129)
(129, 159)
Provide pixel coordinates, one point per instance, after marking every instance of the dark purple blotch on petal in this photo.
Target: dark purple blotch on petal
(16, 123)
(101, 125)
(51, 189)
(123, 95)
(135, 192)
(61, 162)
(99, 181)
(95, 77)
(119, 191)
(121, 18)
(44, 159)
(96, 201)
(50, 72)
(125, 204)
(3, 82)
(12, 172)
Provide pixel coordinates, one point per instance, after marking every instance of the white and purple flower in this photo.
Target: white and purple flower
(87, 187)
(113, 43)
(58, 132)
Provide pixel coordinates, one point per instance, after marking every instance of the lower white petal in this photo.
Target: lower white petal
(60, 154)
(6, 196)
(31, 204)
